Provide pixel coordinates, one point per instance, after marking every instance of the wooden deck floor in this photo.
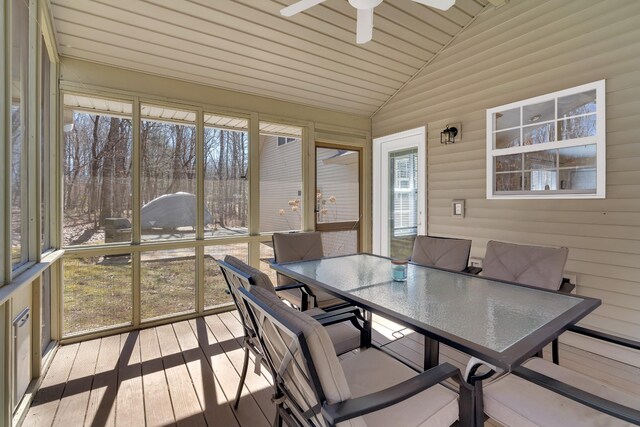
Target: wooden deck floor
(183, 374)
(186, 374)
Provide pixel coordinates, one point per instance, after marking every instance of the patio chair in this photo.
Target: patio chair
(543, 393)
(370, 388)
(441, 252)
(344, 336)
(289, 247)
(536, 266)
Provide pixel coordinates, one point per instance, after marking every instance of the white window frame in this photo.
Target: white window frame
(599, 140)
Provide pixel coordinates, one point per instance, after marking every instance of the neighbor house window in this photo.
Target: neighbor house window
(551, 146)
(284, 140)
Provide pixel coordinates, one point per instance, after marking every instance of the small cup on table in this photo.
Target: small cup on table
(399, 270)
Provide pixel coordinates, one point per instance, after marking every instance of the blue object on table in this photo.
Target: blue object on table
(399, 270)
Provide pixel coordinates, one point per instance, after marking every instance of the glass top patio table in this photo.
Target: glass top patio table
(502, 323)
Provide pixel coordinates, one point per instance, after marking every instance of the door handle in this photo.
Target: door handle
(24, 320)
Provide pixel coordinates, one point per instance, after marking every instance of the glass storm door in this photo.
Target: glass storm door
(399, 192)
(402, 208)
(338, 199)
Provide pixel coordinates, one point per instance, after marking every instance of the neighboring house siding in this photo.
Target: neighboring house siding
(280, 182)
(521, 50)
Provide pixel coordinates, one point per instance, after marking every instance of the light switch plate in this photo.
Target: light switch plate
(457, 208)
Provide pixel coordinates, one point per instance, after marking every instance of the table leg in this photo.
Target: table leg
(478, 416)
(368, 322)
(431, 353)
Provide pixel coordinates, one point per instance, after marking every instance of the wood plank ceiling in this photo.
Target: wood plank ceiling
(245, 45)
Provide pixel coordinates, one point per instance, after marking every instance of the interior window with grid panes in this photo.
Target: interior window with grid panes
(551, 146)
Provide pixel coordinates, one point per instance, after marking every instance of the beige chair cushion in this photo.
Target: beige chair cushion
(297, 246)
(452, 254)
(537, 266)
(258, 278)
(344, 336)
(288, 247)
(514, 401)
(330, 374)
(372, 370)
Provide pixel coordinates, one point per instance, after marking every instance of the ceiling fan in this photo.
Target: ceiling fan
(365, 8)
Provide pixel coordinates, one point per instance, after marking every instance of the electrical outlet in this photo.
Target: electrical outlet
(475, 262)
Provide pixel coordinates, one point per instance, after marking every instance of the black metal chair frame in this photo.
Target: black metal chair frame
(292, 413)
(230, 273)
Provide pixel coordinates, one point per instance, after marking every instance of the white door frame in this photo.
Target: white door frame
(381, 148)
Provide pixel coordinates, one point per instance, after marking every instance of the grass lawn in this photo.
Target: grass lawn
(98, 290)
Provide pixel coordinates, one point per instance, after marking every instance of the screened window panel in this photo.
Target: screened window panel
(168, 283)
(97, 293)
(19, 200)
(168, 146)
(281, 200)
(215, 288)
(226, 168)
(98, 173)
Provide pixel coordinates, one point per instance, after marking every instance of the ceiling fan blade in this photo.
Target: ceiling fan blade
(437, 4)
(364, 31)
(299, 6)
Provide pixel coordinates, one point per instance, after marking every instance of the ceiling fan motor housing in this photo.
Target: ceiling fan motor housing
(364, 4)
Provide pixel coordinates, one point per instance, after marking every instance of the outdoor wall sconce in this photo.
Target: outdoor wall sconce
(448, 136)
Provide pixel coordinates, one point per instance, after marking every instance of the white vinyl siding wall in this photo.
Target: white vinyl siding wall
(525, 49)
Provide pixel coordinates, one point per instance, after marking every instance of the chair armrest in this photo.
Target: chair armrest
(472, 270)
(605, 337)
(596, 402)
(304, 290)
(351, 408)
(338, 318)
(338, 307)
(343, 310)
(291, 286)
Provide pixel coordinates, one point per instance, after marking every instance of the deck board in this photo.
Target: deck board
(101, 408)
(129, 398)
(187, 373)
(159, 411)
(74, 402)
(205, 384)
(183, 396)
(231, 364)
(45, 404)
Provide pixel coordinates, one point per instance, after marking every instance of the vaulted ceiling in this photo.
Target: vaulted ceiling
(245, 45)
